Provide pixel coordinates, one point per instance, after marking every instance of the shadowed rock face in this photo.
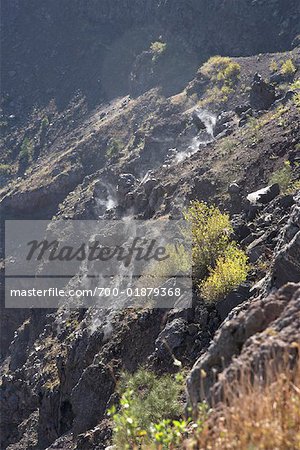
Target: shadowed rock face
(93, 46)
(245, 333)
(262, 94)
(261, 329)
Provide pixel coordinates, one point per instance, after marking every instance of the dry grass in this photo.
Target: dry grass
(257, 416)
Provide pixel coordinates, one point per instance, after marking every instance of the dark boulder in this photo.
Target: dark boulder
(198, 122)
(286, 266)
(277, 78)
(232, 300)
(286, 98)
(125, 184)
(224, 123)
(234, 189)
(262, 94)
(171, 337)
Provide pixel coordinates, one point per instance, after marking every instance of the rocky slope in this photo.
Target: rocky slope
(51, 50)
(147, 156)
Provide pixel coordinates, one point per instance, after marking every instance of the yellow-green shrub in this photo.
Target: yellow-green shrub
(221, 68)
(296, 100)
(210, 233)
(219, 265)
(295, 86)
(288, 67)
(158, 48)
(273, 66)
(230, 271)
(223, 72)
(5, 169)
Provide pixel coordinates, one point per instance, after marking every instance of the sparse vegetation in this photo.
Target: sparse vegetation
(288, 67)
(253, 129)
(146, 400)
(25, 154)
(273, 66)
(255, 415)
(253, 132)
(286, 178)
(5, 169)
(3, 123)
(45, 122)
(113, 148)
(158, 48)
(223, 72)
(215, 96)
(227, 145)
(295, 86)
(296, 100)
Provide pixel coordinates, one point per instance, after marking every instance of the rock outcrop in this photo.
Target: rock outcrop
(262, 94)
(263, 326)
(259, 330)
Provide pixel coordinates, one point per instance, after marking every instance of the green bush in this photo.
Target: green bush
(5, 169)
(221, 68)
(146, 399)
(113, 148)
(286, 179)
(150, 413)
(219, 265)
(211, 234)
(230, 271)
(26, 151)
(273, 66)
(223, 72)
(172, 434)
(158, 48)
(288, 67)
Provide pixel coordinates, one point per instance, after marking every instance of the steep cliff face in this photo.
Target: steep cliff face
(146, 156)
(54, 49)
